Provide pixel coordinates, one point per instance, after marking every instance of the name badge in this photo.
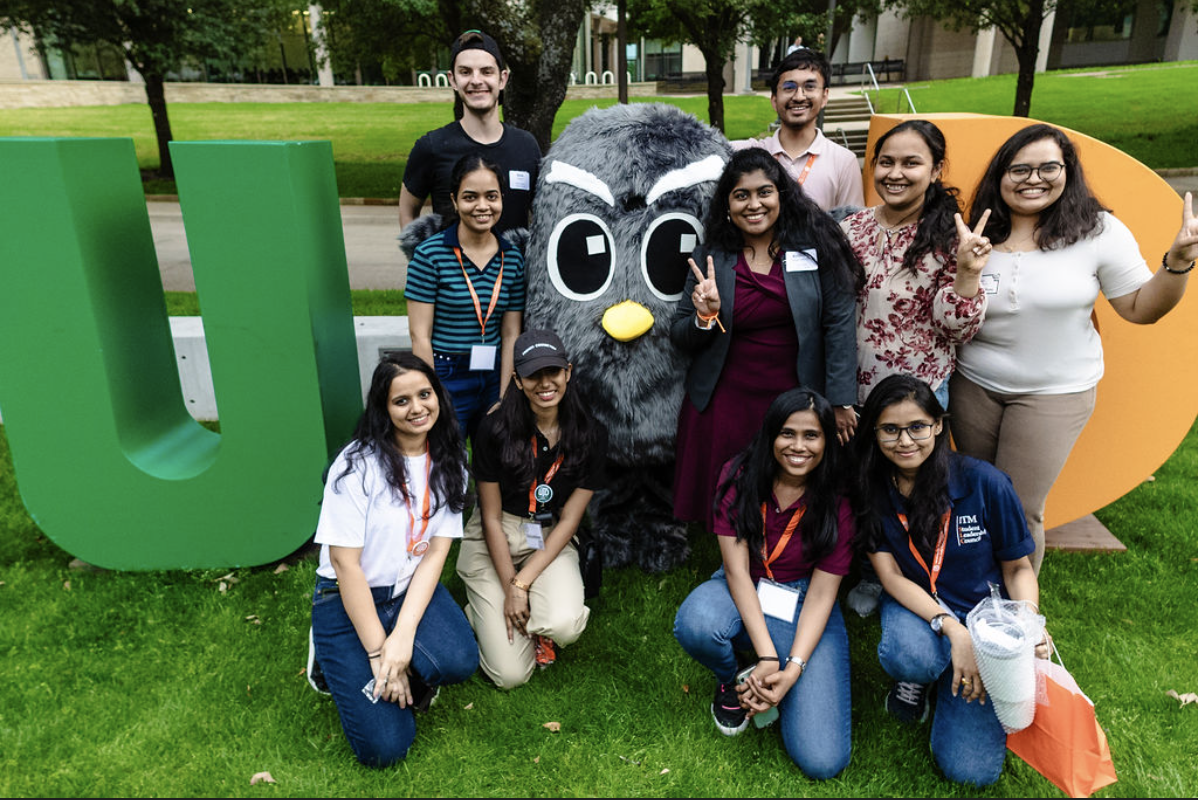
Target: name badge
(534, 534)
(482, 356)
(518, 179)
(799, 261)
(776, 600)
(989, 283)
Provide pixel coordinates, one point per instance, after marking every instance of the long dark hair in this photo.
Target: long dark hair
(375, 434)
(937, 229)
(875, 472)
(801, 223)
(1075, 215)
(515, 425)
(751, 475)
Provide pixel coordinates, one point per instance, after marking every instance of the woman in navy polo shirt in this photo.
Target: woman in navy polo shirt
(939, 528)
(465, 293)
(785, 536)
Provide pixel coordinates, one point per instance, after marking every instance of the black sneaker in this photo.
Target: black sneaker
(423, 695)
(729, 717)
(908, 702)
(315, 673)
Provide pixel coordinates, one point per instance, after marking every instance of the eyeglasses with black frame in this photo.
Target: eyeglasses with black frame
(1049, 171)
(918, 431)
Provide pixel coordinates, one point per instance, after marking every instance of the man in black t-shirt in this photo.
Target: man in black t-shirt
(478, 75)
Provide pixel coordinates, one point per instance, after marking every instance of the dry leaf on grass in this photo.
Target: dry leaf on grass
(262, 777)
(663, 772)
(553, 726)
(686, 689)
(303, 671)
(66, 585)
(1184, 699)
(231, 578)
(224, 587)
(254, 619)
(281, 568)
(537, 760)
(469, 706)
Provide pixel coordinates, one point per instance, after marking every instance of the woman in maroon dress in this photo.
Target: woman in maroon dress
(772, 307)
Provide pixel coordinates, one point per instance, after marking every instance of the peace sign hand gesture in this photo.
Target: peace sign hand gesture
(1185, 246)
(705, 297)
(973, 249)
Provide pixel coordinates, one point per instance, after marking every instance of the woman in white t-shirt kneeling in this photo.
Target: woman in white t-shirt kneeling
(385, 632)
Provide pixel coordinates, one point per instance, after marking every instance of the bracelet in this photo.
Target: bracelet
(1165, 266)
(796, 660)
(710, 320)
(767, 658)
(375, 654)
(519, 584)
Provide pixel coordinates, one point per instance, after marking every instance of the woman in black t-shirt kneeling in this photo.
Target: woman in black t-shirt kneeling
(537, 460)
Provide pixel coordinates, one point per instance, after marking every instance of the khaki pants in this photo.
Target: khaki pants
(555, 602)
(1027, 436)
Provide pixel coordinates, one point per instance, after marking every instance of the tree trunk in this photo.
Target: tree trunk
(713, 66)
(156, 97)
(1026, 52)
(539, 55)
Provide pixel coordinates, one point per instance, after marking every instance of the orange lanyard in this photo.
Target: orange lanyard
(938, 556)
(416, 544)
(478, 309)
(807, 168)
(785, 540)
(532, 487)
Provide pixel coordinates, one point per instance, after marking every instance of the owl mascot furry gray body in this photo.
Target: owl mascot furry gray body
(620, 205)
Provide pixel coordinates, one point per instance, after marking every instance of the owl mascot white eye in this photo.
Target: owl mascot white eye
(620, 205)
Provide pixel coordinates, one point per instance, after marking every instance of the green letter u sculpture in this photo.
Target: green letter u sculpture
(108, 461)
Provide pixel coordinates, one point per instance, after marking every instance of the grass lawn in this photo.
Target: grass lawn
(1138, 110)
(1133, 109)
(159, 684)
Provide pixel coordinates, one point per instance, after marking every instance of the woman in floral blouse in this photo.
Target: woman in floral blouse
(922, 295)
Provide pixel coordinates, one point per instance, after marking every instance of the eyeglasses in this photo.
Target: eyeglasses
(918, 431)
(790, 87)
(1048, 171)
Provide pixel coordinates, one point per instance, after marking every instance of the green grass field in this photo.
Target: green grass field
(1146, 112)
(159, 684)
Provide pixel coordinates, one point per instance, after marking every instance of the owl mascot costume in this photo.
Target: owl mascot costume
(620, 205)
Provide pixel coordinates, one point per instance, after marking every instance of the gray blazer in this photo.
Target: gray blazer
(825, 319)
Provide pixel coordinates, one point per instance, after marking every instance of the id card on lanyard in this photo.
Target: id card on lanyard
(777, 600)
(540, 492)
(482, 356)
(937, 556)
(417, 544)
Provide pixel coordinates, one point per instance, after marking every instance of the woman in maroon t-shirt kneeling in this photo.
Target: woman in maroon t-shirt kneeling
(785, 536)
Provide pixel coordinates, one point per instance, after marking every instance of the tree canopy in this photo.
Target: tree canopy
(154, 36)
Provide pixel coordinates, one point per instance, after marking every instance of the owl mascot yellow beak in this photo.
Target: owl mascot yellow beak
(620, 205)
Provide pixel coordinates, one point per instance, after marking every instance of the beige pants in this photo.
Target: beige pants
(555, 602)
(1027, 436)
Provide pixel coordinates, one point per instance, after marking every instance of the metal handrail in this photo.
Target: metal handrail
(910, 104)
(874, 80)
(872, 77)
(844, 139)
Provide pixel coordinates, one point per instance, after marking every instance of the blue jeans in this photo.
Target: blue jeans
(444, 652)
(968, 741)
(815, 714)
(472, 392)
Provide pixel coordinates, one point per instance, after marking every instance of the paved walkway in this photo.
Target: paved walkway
(371, 245)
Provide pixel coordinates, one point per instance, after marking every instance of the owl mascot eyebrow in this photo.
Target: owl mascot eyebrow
(620, 205)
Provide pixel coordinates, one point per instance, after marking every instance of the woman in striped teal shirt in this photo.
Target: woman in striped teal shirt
(465, 293)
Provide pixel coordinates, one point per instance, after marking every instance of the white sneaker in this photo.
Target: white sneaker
(315, 673)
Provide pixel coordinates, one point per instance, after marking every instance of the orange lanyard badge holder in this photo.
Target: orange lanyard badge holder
(937, 556)
(482, 356)
(540, 492)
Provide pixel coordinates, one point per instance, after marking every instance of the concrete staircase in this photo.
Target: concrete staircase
(846, 122)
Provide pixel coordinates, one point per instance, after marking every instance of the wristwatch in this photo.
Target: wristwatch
(937, 623)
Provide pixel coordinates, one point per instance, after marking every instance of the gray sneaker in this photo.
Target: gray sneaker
(863, 598)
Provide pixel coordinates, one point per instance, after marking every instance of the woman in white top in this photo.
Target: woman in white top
(1025, 384)
(385, 632)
